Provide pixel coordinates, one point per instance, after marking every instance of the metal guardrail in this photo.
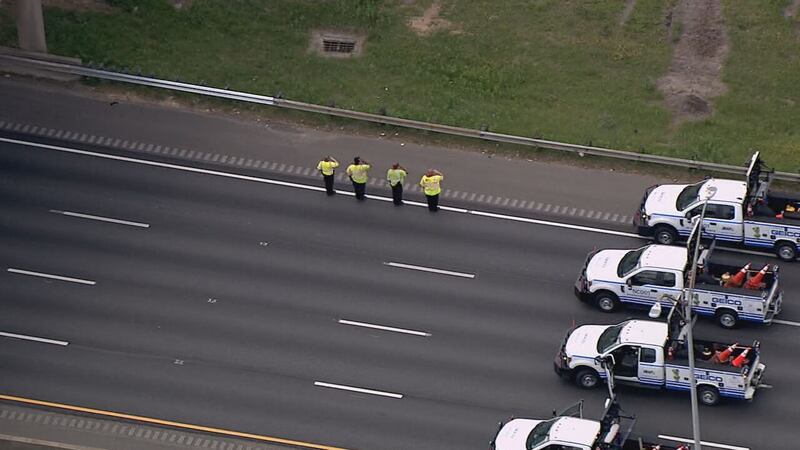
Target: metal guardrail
(74, 69)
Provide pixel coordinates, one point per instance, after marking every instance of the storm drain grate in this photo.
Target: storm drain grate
(336, 46)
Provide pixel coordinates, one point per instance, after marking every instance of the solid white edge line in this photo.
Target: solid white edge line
(33, 338)
(786, 322)
(548, 223)
(100, 218)
(47, 275)
(320, 189)
(430, 269)
(293, 185)
(382, 327)
(357, 389)
(710, 444)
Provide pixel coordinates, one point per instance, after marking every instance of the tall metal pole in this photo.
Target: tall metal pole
(688, 311)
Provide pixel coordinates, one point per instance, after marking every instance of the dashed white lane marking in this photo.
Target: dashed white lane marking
(384, 328)
(47, 275)
(33, 338)
(786, 322)
(430, 269)
(357, 389)
(100, 218)
(708, 444)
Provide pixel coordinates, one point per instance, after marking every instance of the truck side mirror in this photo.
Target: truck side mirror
(606, 360)
(629, 282)
(688, 215)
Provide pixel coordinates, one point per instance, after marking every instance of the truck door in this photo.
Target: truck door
(626, 362)
(648, 286)
(722, 221)
(651, 366)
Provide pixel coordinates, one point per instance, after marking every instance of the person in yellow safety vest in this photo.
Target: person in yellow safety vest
(431, 185)
(326, 167)
(396, 177)
(358, 175)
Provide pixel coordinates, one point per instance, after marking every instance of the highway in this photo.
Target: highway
(240, 304)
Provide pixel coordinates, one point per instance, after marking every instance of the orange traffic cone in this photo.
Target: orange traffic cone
(755, 281)
(725, 355)
(740, 360)
(738, 279)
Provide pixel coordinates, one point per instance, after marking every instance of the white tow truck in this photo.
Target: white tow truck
(739, 212)
(654, 273)
(654, 354)
(571, 431)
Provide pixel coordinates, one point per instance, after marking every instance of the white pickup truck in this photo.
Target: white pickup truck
(645, 353)
(573, 432)
(653, 273)
(739, 212)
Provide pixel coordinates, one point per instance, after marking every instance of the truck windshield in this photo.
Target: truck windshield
(629, 261)
(539, 433)
(688, 195)
(609, 337)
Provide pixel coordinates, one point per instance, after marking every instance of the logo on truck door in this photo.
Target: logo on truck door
(726, 301)
(786, 233)
(709, 377)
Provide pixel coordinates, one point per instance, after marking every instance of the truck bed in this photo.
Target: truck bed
(720, 263)
(707, 362)
(777, 202)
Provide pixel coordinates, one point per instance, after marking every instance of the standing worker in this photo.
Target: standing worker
(327, 166)
(358, 175)
(396, 177)
(431, 184)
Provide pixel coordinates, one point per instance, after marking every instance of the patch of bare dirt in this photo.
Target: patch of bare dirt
(694, 77)
(430, 21)
(630, 5)
(792, 9)
(78, 5)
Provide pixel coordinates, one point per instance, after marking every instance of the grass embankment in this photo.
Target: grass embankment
(557, 69)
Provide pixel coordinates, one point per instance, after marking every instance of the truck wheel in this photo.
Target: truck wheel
(786, 251)
(587, 379)
(708, 395)
(727, 318)
(665, 235)
(606, 301)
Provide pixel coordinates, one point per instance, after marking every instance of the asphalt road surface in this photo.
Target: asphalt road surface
(228, 302)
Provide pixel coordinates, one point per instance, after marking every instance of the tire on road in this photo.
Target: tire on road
(665, 235)
(606, 301)
(786, 251)
(587, 378)
(708, 395)
(727, 318)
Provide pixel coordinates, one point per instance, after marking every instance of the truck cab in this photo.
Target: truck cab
(670, 210)
(558, 433)
(569, 430)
